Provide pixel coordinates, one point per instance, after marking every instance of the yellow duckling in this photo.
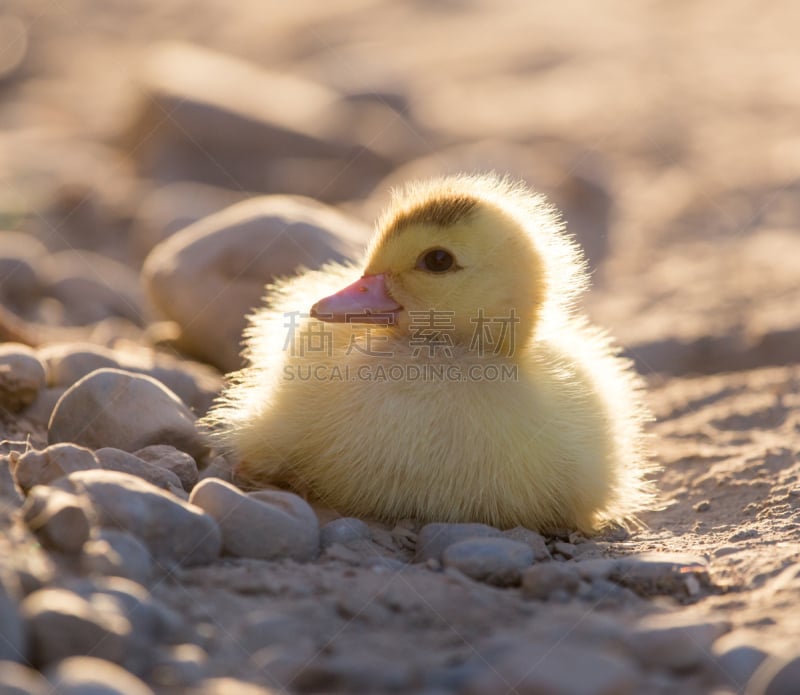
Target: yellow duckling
(450, 380)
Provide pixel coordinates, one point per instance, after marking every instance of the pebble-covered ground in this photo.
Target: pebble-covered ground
(161, 162)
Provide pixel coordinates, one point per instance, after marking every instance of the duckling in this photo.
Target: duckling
(452, 379)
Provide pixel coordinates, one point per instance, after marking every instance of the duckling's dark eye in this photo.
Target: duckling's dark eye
(436, 261)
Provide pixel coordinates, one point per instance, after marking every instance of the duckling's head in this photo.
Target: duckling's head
(469, 254)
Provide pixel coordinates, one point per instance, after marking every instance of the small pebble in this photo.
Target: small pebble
(268, 524)
(738, 663)
(651, 574)
(46, 465)
(543, 580)
(776, 676)
(174, 460)
(117, 554)
(16, 679)
(22, 376)
(433, 539)
(66, 363)
(496, 561)
(173, 530)
(535, 540)
(60, 519)
(702, 506)
(99, 629)
(117, 460)
(568, 550)
(671, 641)
(345, 530)
(179, 666)
(88, 675)
(545, 668)
(229, 686)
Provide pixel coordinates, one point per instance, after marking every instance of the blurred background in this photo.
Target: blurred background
(667, 132)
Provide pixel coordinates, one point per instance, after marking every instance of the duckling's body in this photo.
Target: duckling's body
(502, 406)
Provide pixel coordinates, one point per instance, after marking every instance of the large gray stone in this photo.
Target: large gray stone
(174, 531)
(434, 539)
(236, 125)
(268, 524)
(493, 560)
(114, 408)
(211, 275)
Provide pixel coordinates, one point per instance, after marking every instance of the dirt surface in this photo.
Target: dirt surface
(667, 133)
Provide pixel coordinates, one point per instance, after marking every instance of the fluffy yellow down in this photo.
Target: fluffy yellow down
(557, 442)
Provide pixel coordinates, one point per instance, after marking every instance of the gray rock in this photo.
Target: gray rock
(22, 376)
(13, 635)
(673, 641)
(114, 408)
(40, 411)
(345, 530)
(211, 275)
(549, 579)
(433, 539)
(650, 574)
(172, 530)
(535, 540)
(92, 287)
(496, 561)
(150, 623)
(545, 668)
(16, 679)
(196, 384)
(174, 460)
(170, 208)
(64, 624)
(59, 519)
(226, 686)
(268, 524)
(598, 568)
(151, 620)
(88, 675)
(776, 676)
(20, 255)
(66, 363)
(179, 666)
(117, 460)
(218, 468)
(46, 465)
(738, 655)
(117, 554)
(568, 550)
(236, 125)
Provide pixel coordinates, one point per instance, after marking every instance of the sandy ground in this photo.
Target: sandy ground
(667, 133)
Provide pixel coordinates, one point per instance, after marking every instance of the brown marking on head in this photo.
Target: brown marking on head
(442, 211)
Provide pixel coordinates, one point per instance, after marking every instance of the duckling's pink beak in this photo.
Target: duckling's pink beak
(365, 301)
